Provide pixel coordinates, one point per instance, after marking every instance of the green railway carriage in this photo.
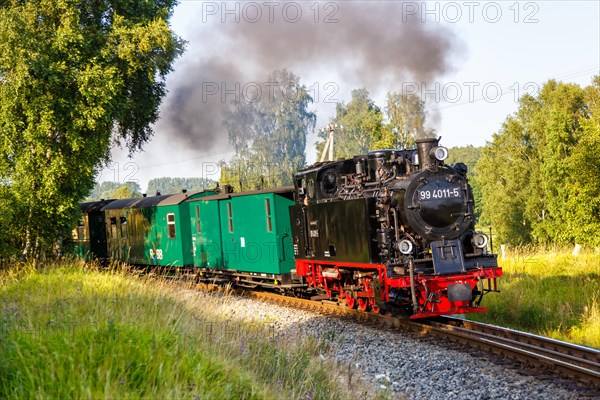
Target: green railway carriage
(206, 231)
(245, 232)
(151, 230)
(89, 237)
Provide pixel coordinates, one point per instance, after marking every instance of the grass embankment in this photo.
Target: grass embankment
(551, 293)
(72, 332)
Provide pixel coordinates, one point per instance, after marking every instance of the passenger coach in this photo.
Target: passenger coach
(151, 230)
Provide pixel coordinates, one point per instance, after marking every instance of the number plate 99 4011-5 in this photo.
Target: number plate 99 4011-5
(439, 193)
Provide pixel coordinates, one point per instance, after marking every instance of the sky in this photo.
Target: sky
(469, 61)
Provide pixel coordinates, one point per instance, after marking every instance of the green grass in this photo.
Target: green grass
(74, 332)
(548, 292)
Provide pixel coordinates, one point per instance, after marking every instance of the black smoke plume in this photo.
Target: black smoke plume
(376, 45)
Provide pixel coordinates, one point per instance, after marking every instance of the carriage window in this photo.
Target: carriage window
(113, 228)
(80, 231)
(171, 225)
(198, 226)
(230, 217)
(123, 227)
(268, 214)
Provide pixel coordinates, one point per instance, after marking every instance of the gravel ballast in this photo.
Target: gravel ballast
(397, 362)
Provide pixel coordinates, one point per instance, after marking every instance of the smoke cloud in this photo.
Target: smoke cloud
(370, 44)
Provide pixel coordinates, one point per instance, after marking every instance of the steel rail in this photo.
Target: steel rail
(579, 362)
(571, 361)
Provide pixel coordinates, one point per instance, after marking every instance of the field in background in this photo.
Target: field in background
(548, 292)
(72, 332)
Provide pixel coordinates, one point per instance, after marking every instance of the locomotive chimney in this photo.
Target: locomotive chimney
(427, 159)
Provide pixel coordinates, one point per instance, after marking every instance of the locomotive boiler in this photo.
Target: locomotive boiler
(392, 230)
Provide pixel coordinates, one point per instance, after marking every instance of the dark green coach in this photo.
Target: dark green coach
(89, 237)
(151, 230)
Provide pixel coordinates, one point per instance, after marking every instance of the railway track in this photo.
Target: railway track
(569, 360)
(573, 362)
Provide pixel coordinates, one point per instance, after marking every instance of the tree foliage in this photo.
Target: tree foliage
(540, 176)
(268, 134)
(363, 127)
(122, 192)
(73, 74)
(167, 185)
(359, 124)
(405, 114)
(8, 242)
(469, 156)
(106, 190)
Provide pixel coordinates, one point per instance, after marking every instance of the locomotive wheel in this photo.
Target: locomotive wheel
(362, 304)
(375, 308)
(350, 301)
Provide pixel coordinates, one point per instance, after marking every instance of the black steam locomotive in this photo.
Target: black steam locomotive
(392, 230)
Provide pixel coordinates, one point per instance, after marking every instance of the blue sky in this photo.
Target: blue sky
(564, 44)
(502, 50)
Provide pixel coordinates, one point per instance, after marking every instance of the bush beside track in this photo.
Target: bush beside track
(550, 293)
(67, 331)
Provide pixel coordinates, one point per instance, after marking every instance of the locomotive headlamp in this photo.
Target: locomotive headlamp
(479, 240)
(405, 246)
(440, 153)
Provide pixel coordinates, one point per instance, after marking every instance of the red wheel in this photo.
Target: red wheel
(362, 304)
(375, 309)
(350, 301)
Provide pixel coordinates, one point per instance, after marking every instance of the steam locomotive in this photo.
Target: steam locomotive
(392, 230)
(389, 231)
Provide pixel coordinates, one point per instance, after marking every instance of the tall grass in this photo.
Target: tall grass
(74, 332)
(548, 292)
